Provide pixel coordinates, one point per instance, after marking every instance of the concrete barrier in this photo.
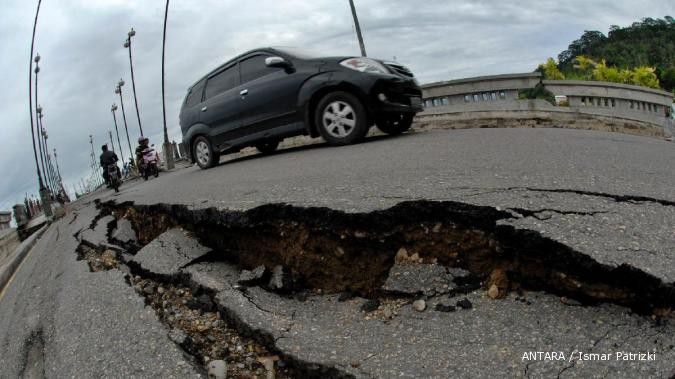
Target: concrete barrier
(15, 259)
(9, 240)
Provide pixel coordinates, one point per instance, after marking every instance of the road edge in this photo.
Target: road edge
(8, 270)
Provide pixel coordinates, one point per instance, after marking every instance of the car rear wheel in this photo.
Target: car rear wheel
(395, 124)
(204, 154)
(267, 147)
(341, 118)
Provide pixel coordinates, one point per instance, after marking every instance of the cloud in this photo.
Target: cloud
(80, 42)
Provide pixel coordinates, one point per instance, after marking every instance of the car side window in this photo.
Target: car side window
(195, 95)
(254, 67)
(221, 82)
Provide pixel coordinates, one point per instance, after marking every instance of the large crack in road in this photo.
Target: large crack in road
(335, 251)
(319, 250)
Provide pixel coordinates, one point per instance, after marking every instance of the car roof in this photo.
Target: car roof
(238, 57)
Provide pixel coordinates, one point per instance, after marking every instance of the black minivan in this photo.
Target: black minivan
(265, 95)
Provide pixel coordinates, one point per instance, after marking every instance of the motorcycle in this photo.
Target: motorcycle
(113, 177)
(150, 163)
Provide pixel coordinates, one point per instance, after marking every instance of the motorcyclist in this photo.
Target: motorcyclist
(107, 158)
(143, 143)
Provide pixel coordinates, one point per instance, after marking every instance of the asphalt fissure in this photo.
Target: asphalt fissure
(197, 324)
(615, 197)
(333, 251)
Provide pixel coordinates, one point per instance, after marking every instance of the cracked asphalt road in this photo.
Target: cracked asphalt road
(92, 324)
(530, 169)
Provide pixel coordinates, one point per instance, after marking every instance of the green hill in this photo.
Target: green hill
(650, 42)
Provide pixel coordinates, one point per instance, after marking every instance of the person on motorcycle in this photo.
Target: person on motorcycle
(107, 158)
(143, 143)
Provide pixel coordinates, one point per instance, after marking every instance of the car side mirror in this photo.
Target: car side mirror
(278, 62)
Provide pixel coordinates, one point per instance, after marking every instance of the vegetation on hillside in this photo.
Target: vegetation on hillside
(642, 54)
(587, 69)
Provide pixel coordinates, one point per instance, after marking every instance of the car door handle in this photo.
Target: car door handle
(204, 109)
(243, 92)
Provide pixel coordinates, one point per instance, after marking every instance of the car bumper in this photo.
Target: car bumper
(395, 95)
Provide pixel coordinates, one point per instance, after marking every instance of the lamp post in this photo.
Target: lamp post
(127, 44)
(38, 118)
(94, 170)
(358, 29)
(112, 110)
(118, 90)
(111, 141)
(64, 193)
(52, 174)
(44, 195)
(58, 169)
(168, 148)
(48, 170)
(48, 163)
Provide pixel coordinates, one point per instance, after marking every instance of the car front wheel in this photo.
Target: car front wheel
(204, 154)
(395, 124)
(341, 118)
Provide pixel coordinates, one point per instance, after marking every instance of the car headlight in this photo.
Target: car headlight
(365, 65)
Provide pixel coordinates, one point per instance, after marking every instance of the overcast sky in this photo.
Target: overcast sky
(80, 42)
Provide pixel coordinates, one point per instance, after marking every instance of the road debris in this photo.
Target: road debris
(253, 277)
(419, 305)
(202, 332)
(464, 303)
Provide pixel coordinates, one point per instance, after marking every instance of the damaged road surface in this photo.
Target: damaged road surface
(407, 275)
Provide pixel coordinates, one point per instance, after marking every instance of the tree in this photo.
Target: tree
(605, 73)
(550, 70)
(646, 43)
(667, 79)
(644, 76)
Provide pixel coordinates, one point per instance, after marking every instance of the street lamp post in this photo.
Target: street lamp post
(358, 29)
(48, 170)
(38, 118)
(118, 90)
(48, 164)
(112, 110)
(94, 170)
(111, 141)
(58, 169)
(64, 193)
(52, 174)
(127, 44)
(168, 148)
(44, 195)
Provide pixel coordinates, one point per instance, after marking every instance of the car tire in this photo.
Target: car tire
(395, 124)
(204, 154)
(341, 118)
(267, 147)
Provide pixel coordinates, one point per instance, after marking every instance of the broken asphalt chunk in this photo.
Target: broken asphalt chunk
(97, 235)
(169, 253)
(252, 277)
(280, 280)
(422, 278)
(124, 232)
